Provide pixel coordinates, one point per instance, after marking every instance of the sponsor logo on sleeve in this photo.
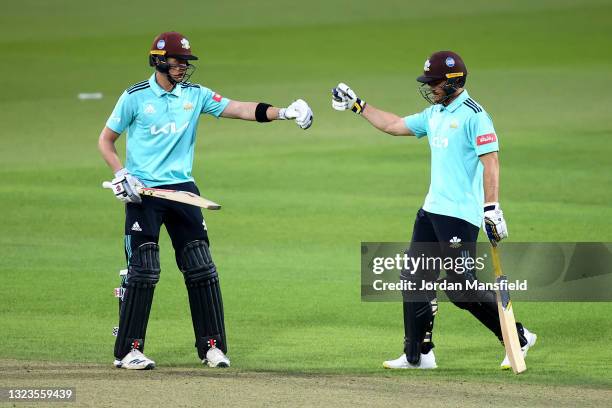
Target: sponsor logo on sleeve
(485, 139)
(217, 97)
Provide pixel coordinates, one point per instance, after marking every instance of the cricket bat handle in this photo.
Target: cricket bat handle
(109, 185)
(496, 261)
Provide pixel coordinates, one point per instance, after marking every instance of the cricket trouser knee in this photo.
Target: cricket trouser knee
(142, 276)
(482, 304)
(205, 299)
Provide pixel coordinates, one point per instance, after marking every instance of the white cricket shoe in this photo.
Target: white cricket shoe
(428, 361)
(135, 360)
(531, 340)
(216, 358)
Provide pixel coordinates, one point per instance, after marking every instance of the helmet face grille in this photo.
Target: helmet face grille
(427, 93)
(161, 65)
(450, 87)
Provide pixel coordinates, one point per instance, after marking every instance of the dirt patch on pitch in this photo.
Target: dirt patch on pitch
(98, 385)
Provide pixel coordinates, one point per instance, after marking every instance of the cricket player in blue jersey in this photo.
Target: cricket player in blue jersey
(463, 195)
(160, 116)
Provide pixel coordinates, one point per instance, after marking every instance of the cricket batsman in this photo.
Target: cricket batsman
(160, 116)
(463, 195)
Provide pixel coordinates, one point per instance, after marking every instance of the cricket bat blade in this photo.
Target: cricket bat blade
(506, 318)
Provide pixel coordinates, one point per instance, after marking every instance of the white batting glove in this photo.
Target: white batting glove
(298, 110)
(125, 187)
(494, 223)
(344, 98)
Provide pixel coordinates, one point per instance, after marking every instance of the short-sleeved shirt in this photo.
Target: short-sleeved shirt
(161, 128)
(458, 134)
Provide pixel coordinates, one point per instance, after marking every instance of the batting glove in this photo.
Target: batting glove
(125, 187)
(298, 110)
(494, 223)
(344, 98)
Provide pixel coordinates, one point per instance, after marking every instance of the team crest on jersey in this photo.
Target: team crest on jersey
(149, 109)
(188, 106)
(427, 65)
(185, 43)
(454, 124)
(455, 242)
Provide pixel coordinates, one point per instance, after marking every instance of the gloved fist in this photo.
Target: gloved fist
(300, 111)
(494, 223)
(125, 187)
(344, 98)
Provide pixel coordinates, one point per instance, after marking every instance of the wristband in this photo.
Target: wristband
(261, 112)
(358, 106)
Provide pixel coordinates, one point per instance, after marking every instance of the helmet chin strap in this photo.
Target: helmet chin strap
(172, 80)
(164, 68)
(450, 88)
(449, 91)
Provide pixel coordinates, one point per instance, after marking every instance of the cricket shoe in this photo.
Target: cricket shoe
(428, 361)
(135, 360)
(531, 340)
(216, 358)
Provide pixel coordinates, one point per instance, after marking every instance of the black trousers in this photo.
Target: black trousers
(443, 237)
(183, 222)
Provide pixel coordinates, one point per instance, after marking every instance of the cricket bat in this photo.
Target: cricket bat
(174, 195)
(506, 317)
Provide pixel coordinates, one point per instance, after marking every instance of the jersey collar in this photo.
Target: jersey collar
(159, 91)
(457, 102)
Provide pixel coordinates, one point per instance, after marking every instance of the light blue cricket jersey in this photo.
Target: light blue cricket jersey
(161, 128)
(458, 134)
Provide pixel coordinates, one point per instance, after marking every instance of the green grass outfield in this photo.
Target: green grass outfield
(296, 204)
